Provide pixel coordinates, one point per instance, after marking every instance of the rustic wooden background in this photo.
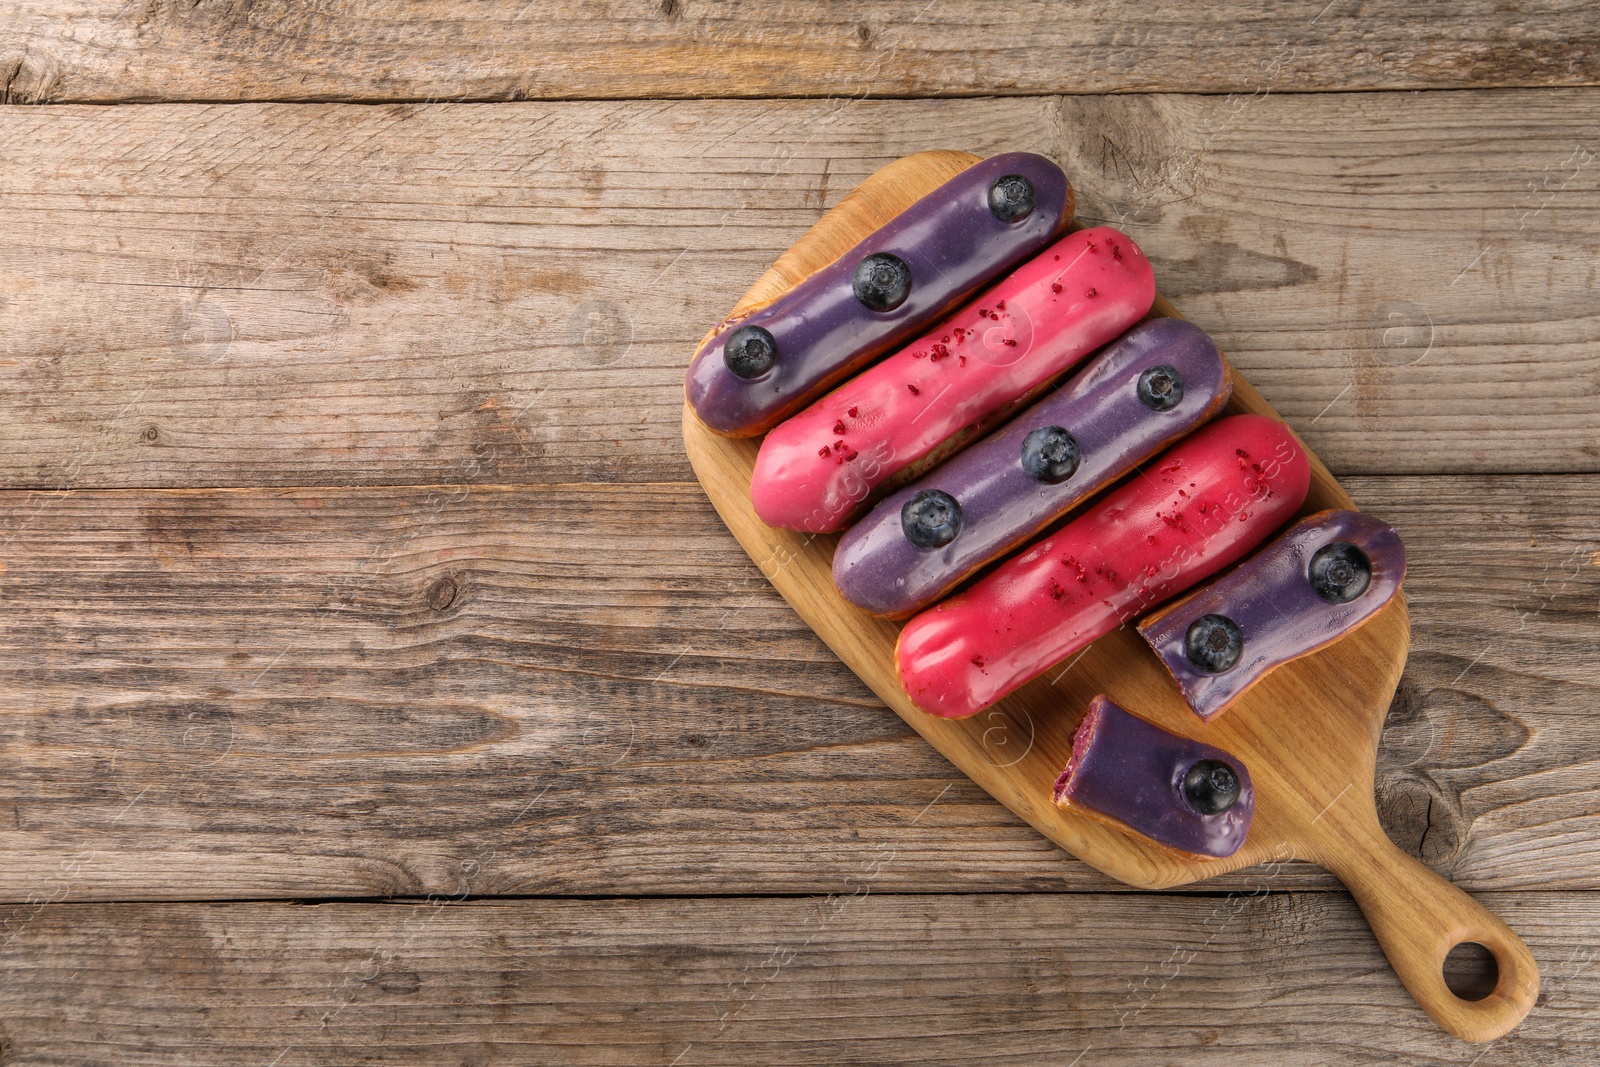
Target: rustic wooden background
(377, 687)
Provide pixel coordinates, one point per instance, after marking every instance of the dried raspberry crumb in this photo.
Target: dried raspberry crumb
(1010, 343)
(1092, 247)
(939, 352)
(838, 426)
(914, 390)
(961, 361)
(850, 455)
(838, 446)
(1093, 292)
(853, 412)
(983, 313)
(1116, 253)
(1000, 305)
(978, 662)
(823, 451)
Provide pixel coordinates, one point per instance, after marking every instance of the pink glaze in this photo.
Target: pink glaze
(1201, 506)
(821, 466)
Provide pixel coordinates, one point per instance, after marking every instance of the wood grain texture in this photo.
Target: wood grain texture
(272, 295)
(1117, 980)
(428, 690)
(386, 50)
(289, 693)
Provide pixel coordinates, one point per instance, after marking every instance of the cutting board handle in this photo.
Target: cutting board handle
(1418, 918)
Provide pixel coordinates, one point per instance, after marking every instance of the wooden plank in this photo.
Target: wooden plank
(386, 50)
(591, 690)
(1337, 230)
(855, 977)
(278, 295)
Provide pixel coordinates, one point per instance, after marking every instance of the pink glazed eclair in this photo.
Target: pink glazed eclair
(820, 467)
(1205, 503)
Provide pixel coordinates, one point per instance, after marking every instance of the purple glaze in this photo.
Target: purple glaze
(880, 571)
(1270, 597)
(1130, 772)
(953, 244)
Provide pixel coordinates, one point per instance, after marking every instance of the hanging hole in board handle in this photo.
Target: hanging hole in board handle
(1470, 971)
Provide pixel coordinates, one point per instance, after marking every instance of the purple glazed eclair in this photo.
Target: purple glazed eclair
(753, 372)
(1131, 773)
(1151, 386)
(1325, 575)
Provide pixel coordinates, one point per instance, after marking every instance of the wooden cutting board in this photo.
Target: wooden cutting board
(1308, 732)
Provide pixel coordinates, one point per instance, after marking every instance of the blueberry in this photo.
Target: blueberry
(931, 519)
(1161, 388)
(750, 351)
(1049, 454)
(1211, 787)
(1011, 198)
(882, 281)
(1340, 572)
(1214, 643)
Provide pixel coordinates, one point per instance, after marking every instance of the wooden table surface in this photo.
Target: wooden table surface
(379, 688)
